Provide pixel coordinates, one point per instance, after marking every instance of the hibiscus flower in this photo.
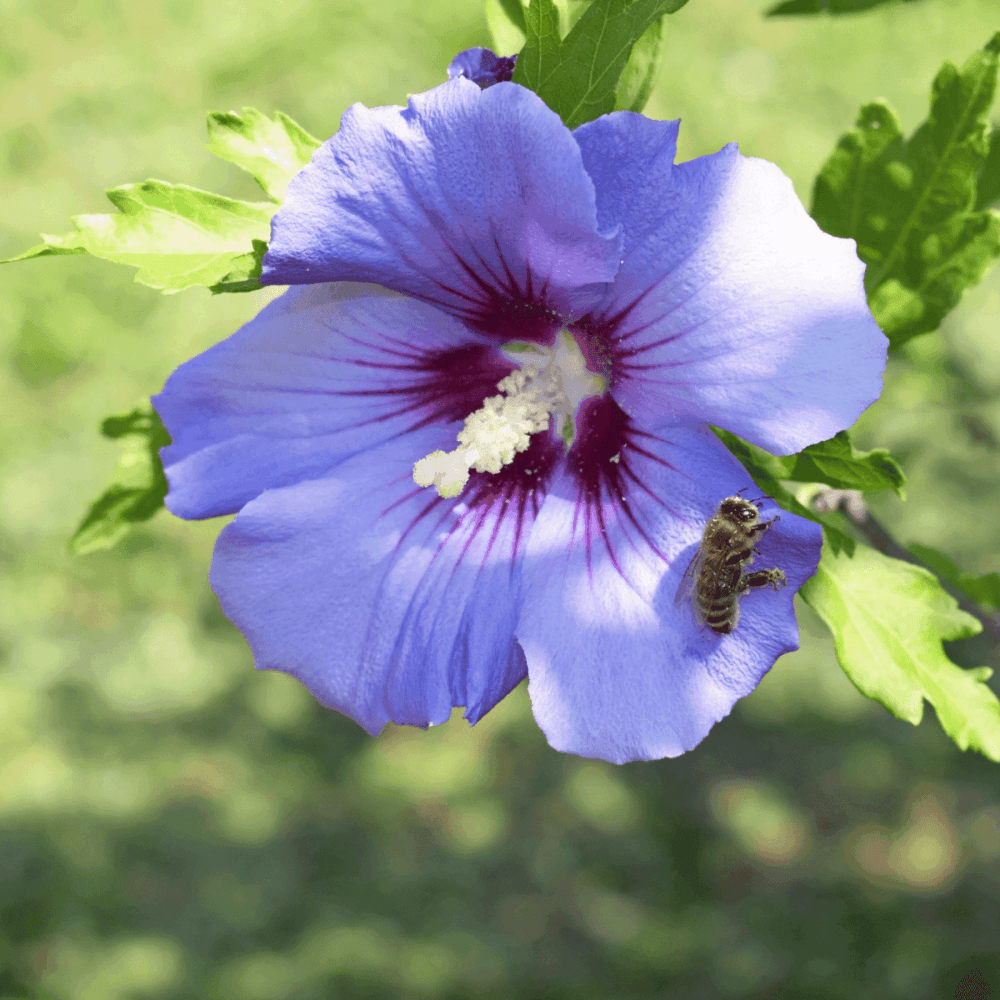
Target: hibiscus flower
(471, 443)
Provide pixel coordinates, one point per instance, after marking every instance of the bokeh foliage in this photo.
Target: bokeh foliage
(174, 825)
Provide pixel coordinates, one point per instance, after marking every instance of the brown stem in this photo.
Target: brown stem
(852, 505)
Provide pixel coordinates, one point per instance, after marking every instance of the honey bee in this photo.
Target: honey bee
(716, 576)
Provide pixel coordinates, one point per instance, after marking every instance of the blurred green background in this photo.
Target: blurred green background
(174, 825)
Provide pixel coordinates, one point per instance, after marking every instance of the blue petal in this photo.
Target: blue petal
(476, 201)
(731, 305)
(617, 668)
(320, 374)
(482, 66)
(386, 602)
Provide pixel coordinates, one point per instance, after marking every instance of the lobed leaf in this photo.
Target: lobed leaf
(54, 246)
(246, 272)
(837, 463)
(177, 236)
(272, 151)
(137, 488)
(579, 76)
(911, 204)
(828, 6)
(983, 590)
(834, 462)
(889, 620)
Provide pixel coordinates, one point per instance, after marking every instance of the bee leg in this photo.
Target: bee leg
(762, 578)
(763, 526)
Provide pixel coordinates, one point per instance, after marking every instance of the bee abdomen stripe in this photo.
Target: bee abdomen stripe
(719, 606)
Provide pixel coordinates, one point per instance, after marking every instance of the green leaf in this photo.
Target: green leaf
(829, 6)
(988, 179)
(889, 620)
(54, 246)
(834, 462)
(246, 272)
(176, 235)
(579, 76)
(983, 590)
(837, 463)
(272, 151)
(137, 488)
(910, 204)
(540, 55)
(570, 11)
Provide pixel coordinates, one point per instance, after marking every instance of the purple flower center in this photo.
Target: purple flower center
(590, 435)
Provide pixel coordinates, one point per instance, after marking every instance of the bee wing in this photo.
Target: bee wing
(686, 587)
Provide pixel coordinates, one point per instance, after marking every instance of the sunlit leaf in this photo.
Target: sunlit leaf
(54, 246)
(272, 151)
(176, 235)
(889, 620)
(137, 487)
(911, 204)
